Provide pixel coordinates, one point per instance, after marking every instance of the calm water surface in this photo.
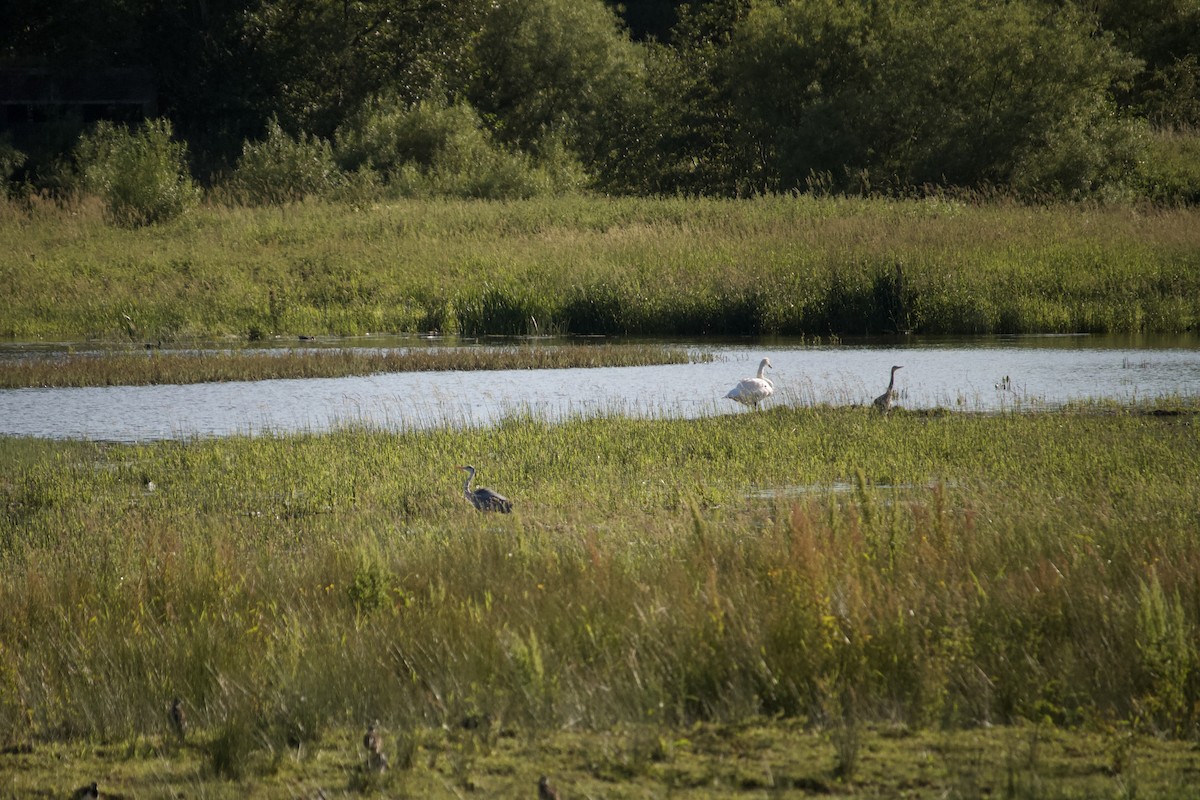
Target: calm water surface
(989, 374)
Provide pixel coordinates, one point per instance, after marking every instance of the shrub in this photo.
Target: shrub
(1081, 160)
(1171, 171)
(141, 175)
(11, 160)
(281, 169)
(435, 149)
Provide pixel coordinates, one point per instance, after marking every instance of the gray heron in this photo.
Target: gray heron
(752, 391)
(178, 718)
(373, 744)
(371, 741)
(884, 401)
(546, 790)
(86, 792)
(484, 499)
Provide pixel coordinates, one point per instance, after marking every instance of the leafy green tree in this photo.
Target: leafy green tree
(947, 92)
(797, 71)
(1165, 35)
(1001, 93)
(690, 125)
(561, 67)
(326, 57)
(714, 96)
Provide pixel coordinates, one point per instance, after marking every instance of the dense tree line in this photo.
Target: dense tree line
(727, 97)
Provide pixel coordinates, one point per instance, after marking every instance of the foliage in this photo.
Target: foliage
(556, 66)
(11, 159)
(1162, 34)
(788, 265)
(723, 97)
(432, 149)
(140, 175)
(686, 130)
(1171, 170)
(909, 93)
(282, 169)
(322, 59)
(1172, 94)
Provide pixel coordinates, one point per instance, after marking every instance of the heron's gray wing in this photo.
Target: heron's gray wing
(487, 500)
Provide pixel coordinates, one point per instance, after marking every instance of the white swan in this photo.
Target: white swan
(752, 391)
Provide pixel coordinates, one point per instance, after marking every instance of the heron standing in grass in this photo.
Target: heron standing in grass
(89, 792)
(373, 744)
(885, 401)
(178, 719)
(484, 499)
(752, 391)
(546, 790)
(371, 740)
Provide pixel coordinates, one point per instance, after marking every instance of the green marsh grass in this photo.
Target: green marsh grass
(156, 367)
(771, 265)
(983, 570)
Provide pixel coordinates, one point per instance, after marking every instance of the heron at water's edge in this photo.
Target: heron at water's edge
(886, 400)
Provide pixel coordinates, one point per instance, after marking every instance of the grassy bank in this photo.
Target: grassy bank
(675, 266)
(825, 566)
(754, 759)
(154, 367)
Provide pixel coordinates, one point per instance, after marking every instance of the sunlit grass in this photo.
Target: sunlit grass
(156, 367)
(754, 758)
(982, 569)
(786, 265)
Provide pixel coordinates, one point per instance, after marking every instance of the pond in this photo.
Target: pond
(975, 374)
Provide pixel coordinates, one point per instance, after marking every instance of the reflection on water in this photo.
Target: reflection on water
(976, 375)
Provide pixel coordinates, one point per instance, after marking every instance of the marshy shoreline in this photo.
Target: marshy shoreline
(154, 366)
(778, 265)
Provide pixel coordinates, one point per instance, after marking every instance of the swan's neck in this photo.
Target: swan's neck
(761, 369)
(467, 484)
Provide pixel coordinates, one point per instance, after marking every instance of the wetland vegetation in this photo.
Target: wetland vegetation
(792, 265)
(816, 598)
(152, 367)
(800, 601)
